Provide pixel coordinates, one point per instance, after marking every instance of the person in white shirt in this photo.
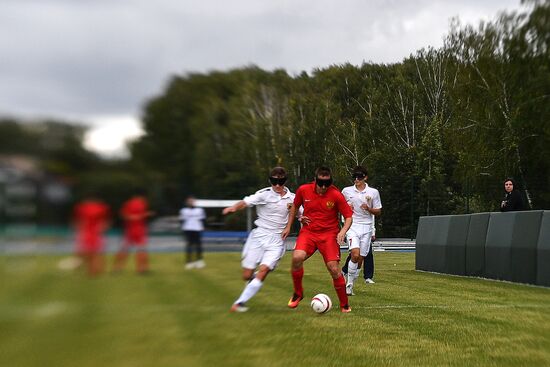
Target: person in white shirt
(192, 225)
(264, 246)
(365, 203)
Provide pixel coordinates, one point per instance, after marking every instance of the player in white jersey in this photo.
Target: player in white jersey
(264, 245)
(192, 226)
(365, 203)
(368, 261)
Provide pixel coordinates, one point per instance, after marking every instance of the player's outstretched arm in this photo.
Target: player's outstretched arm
(235, 207)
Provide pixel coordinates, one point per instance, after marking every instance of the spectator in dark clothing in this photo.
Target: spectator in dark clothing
(513, 200)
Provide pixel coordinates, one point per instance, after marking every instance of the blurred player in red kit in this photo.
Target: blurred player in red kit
(322, 203)
(91, 217)
(134, 212)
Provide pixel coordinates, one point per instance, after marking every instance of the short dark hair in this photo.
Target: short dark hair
(278, 171)
(512, 181)
(323, 171)
(361, 170)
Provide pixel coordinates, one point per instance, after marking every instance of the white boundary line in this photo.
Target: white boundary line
(466, 306)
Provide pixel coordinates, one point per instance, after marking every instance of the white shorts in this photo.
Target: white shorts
(264, 248)
(359, 236)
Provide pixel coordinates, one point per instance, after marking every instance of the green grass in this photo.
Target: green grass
(180, 318)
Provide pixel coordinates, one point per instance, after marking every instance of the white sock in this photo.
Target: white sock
(352, 272)
(250, 290)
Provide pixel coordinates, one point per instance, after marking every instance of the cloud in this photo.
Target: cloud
(111, 134)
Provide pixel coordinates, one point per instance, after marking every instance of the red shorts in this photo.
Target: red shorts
(324, 242)
(89, 243)
(135, 236)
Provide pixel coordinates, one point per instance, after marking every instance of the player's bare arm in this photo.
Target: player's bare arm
(373, 211)
(235, 207)
(304, 220)
(291, 216)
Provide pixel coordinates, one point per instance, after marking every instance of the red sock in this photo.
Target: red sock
(340, 287)
(297, 276)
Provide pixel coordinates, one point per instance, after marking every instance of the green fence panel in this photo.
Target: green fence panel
(475, 244)
(524, 246)
(498, 246)
(455, 245)
(424, 233)
(511, 247)
(431, 241)
(543, 251)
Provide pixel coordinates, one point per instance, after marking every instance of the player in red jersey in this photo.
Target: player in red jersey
(134, 212)
(91, 218)
(322, 202)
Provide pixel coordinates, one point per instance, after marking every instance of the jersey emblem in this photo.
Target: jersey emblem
(330, 204)
(368, 198)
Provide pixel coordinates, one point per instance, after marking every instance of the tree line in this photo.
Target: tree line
(439, 132)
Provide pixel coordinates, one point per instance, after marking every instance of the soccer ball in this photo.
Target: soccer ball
(321, 303)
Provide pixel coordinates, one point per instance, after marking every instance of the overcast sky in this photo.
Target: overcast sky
(96, 62)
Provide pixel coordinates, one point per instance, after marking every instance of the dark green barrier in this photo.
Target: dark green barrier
(512, 246)
(455, 245)
(510, 249)
(524, 246)
(441, 244)
(543, 251)
(431, 239)
(423, 238)
(432, 250)
(498, 246)
(475, 244)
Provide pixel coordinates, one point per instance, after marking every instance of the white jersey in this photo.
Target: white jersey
(192, 219)
(272, 208)
(356, 198)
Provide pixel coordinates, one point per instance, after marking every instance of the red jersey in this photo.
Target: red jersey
(91, 218)
(323, 209)
(135, 212)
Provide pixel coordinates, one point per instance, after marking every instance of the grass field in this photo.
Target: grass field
(175, 317)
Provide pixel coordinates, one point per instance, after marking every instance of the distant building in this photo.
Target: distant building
(28, 195)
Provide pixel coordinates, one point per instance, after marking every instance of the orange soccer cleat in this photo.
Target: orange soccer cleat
(346, 309)
(295, 300)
